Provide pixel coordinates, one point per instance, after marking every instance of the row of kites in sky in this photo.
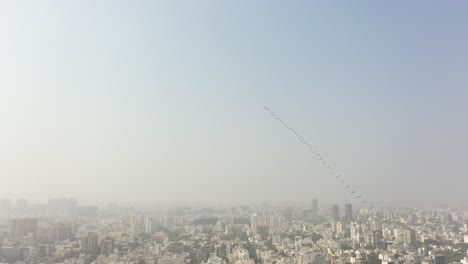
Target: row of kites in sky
(347, 188)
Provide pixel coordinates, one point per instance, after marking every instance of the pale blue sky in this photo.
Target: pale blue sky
(163, 100)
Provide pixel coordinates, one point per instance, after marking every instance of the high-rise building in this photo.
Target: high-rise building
(348, 212)
(107, 246)
(89, 243)
(376, 225)
(307, 257)
(168, 222)
(149, 225)
(263, 230)
(72, 208)
(339, 227)
(21, 227)
(65, 208)
(369, 238)
(21, 207)
(260, 225)
(257, 220)
(314, 206)
(409, 237)
(87, 211)
(62, 232)
(43, 250)
(137, 226)
(288, 214)
(335, 212)
(275, 221)
(243, 220)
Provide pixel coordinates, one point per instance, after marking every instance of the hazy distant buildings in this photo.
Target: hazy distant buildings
(87, 211)
(21, 206)
(137, 225)
(255, 220)
(407, 236)
(206, 221)
(107, 246)
(241, 220)
(275, 221)
(62, 232)
(314, 206)
(335, 212)
(55, 208)
(89, 243)
(288, 214)
(37, 210)
(260, 226)
(21, 227)
(372, 238)
(10, 252)
(168, 222)
(63, 208)
(43, 250)
(72, 208)
(376, 225)
(262, 230)
(150, 225)
(348, 217)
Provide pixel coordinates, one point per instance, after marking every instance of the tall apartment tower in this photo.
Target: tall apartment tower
(89, 243)
(314, 206)
(62, 231)
(21, 207)
(263, 230)
(63, 208)
(107, 246)
(348, 212)
(335, 212)
(21, 227)
(149, 225)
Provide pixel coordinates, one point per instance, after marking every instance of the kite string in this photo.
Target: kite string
(319, 157)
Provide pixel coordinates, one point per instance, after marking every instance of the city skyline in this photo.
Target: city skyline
(233, 132)
(66, 233)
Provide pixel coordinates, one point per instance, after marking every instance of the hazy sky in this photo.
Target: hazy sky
(163, 100)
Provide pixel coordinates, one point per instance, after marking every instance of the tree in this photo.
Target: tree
(369, 247)
(453, 256)
(345, 246)
(316, 237)
(222, 252)
(373, 258)
(270, 246)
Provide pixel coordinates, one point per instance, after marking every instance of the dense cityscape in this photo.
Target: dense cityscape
(233, 132)
(63, 231)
